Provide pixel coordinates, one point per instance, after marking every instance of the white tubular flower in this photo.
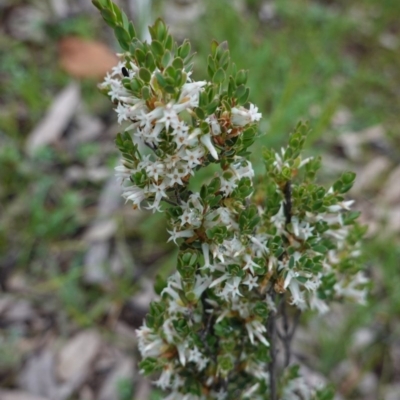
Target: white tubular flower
(259, 244)
(192, 90)
(251, 282)
(175, 235)
(164, 382)
(202, 283)
(170, 117)
(242, 116)
(214, 124)
(256, 328)
(206, 140)
(297, 295)
(344, 205)
(243, 171)
(249, 392)
(231, 289)
(134, 194)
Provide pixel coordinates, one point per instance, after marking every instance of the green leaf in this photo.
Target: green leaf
(169, 43)
(109, 17)
(122, 37)
(261, 309)
(140, 56)
(160, 79)
(131, 29)
(219, 76)
(146, 93)
(135, 85)
(241, 77)
(240, 91)
(150, 62)
(177, 63)
(149, 365)
(166, 58)
(157, 48)
(145, 75)
(243, 99)
(160, 284)
(184, 49)
(199, 113)
(214, 47)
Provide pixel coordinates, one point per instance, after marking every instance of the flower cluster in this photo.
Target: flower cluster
(239, 259)
(167, 122)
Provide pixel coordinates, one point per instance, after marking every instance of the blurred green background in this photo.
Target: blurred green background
(76, 261)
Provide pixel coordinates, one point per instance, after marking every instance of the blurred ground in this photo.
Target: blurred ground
(76, 265)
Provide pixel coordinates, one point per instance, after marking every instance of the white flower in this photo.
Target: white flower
(297, 296)
(249, 263)
(174, 177)
(231, 288)
(202, 283)
(181, 234)
(154, 169)
(251, 281)
(170, 117)
(256, 328)
(164, 382)
(206, 140)
(249, 392)
(279, 219)
(197, 357)
(193, 156)
(214, 124)
(135, 194)
(259, 244)
(344, 205)
(242, 116)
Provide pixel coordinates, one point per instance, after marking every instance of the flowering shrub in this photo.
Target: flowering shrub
(245, 253)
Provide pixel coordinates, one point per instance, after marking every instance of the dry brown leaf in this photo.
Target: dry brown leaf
(84, 58)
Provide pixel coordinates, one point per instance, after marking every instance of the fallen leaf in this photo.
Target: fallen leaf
(370, 173)
(76, 357)
(56, 120)
(123, 371)
(101, 231)
(391, 190)
(84, 58)
(37, 376)
(95, 261)
(18, 395)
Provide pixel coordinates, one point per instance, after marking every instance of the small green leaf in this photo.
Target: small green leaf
(146, 93)
(145, 75)
(241, 77)
(177, 63)
(122, 37)
(184, 49)
(219, 76)
(166, 58)
(157, 47)
(214, 47)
